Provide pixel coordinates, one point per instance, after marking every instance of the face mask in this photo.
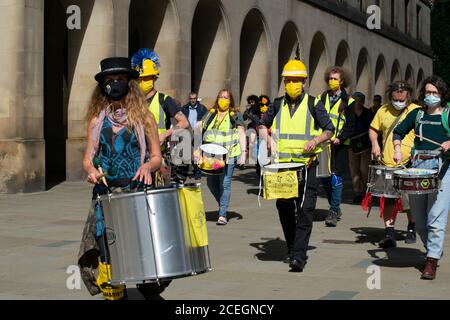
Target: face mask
(334, 84)
(264, 109)
(399, 105)
(224, 104)
(146, 86)
(432, 101)
(117, 90)
(294, 89)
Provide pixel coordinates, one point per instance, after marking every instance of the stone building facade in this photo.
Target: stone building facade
(46, 70)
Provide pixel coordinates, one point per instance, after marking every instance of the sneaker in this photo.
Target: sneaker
(411, 237)
(332, 219)
(222, 221)
(339, 214)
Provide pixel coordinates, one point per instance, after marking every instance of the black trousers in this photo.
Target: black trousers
(297, 221)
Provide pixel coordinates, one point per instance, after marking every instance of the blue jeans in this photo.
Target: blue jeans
(220, 187)
(431, 212)
(333, 187)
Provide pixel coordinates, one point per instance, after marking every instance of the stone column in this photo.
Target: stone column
(22, 147)
(87, 47)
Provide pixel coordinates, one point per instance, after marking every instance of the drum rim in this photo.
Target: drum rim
(224, 150)
(422, 175)
(297, 165)
(116, 196)
(377, 166)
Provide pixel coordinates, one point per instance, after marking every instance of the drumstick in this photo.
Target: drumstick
(429, 140)
(102, 176)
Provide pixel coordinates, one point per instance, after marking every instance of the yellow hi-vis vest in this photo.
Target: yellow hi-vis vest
(156, 109)
(224, 135)
(337, 120)
(292, 133)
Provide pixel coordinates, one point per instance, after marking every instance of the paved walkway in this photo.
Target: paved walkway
(40, 234)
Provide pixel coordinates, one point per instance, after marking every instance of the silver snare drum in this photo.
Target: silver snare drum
(381, 182)
(147, 238)
(323, 168)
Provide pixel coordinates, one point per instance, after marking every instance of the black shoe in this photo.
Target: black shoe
(411, 237)
(296, 266)
(339, 215)
(332, 219)
(388, 241)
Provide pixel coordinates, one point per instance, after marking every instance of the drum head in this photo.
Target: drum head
(416, 172)
(213, 148)
(283, 166)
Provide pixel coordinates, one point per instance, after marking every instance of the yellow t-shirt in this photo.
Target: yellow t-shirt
(382, 122)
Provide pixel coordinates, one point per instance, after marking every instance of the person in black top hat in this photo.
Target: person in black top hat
(122, 152)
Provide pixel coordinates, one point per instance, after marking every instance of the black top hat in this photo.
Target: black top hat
(116, 65)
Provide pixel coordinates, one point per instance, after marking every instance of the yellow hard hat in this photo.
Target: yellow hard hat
(149, 68)
(295, 68)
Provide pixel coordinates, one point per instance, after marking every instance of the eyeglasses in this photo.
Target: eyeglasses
(432, 93)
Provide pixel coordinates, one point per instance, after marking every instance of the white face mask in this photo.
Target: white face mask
(399, 105)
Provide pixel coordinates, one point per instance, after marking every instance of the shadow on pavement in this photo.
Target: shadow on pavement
(272, 249)
(320, 215)
(398, 258)
(214, 215)
(374, 235)
(247, 176)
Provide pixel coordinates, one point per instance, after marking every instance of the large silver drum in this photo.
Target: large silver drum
(323, 168)
(149, 239)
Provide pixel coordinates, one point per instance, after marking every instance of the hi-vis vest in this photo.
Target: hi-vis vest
(156, 109)
(337, 120)
(292, 133)
(224, 135)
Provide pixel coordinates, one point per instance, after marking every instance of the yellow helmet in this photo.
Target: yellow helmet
(149, 68)
(295, 68)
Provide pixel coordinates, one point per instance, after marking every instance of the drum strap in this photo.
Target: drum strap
(444, 169)
(392, 127)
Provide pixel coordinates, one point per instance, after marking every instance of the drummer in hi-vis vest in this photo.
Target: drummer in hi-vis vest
(431, 153)
(163, 107)
(122, 152)
(341, 109)
(300, 124)
(384, 122)
(223, 126)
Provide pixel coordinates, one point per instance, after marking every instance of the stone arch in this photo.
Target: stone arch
(254, 56)
(409, 77)
(62, 50)
(154, 24)
(289, 39)
(318, 63)
(343, 56)
(364, 74)
(381, 79)
(211, 50)
(396, 73)
(420, 78)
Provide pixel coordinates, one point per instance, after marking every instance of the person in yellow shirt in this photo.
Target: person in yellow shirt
(384, 122)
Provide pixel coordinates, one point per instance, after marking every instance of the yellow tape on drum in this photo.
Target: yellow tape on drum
(281, 180)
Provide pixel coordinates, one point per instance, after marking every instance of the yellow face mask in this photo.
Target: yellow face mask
(224, 104)
(334, 84)
(294, 89)
(146, 86)
(264, 109)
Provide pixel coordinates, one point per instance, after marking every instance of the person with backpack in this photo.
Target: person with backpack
(341, 109)
(224, 125)
(300, 124)
(431, 123)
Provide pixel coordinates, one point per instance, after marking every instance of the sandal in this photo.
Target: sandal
(222, 221)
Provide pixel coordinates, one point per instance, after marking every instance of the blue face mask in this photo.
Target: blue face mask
(432, 101)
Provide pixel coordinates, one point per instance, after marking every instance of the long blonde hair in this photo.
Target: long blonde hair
(135, 103)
